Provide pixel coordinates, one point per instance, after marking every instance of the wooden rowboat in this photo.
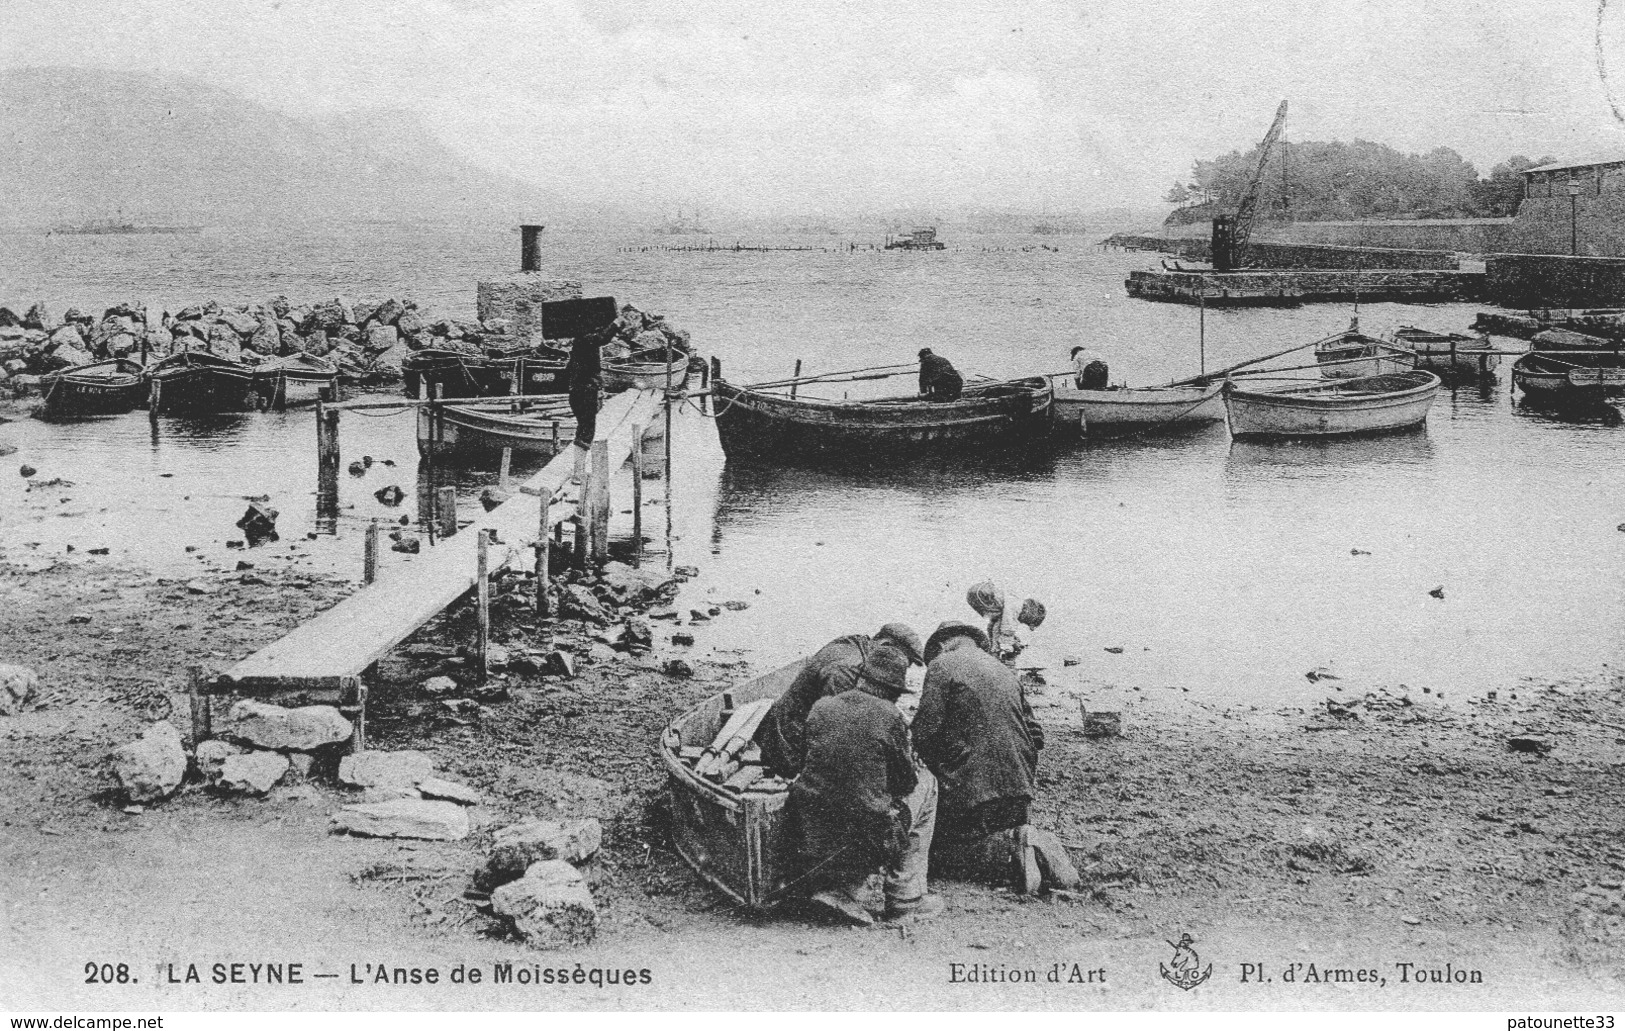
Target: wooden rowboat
(1568, 376)
(103, 388)
(480, 428)
(645, 371)
(1134, 410)
(1371, 404)
(737, 838)
(199, 381)
(295, 379)
(1352, 354)
(755, 422)
(1448, 353)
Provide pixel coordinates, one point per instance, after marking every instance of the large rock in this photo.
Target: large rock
(40, 317)
(67, 356)
(375, 769)
(294, 730)
(240, 322)
(550, 907)
(211, 756)
(410, 323)
(388, 312)
(19, 689)
(120, 344)
(266, 337)
(67, 336)
(515, 848)
(448, 790)
(405, 818)
(381, 338)
(224, 341)
(635, 585)
(252, 773)
(152, 767)
(577, 602)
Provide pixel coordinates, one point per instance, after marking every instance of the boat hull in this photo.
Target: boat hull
(619, 376)
(1360, 358)
(200, 384)
(1449, 354)
(482, 430)
(295, 380)
(104, 388)
(1104, 412)
(754, 424)
(739, 842)
(1343, 411)
(1573, 377)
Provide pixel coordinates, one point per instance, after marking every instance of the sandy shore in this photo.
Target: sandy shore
(1394, 835)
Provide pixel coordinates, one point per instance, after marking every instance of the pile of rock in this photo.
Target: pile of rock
(401, 795)
(634, 331)
(532, 874)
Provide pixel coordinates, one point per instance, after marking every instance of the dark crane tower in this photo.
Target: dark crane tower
(1231, 232)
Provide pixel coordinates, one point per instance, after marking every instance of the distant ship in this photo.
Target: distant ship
(918, 240)
(681, 226)
(117, 227)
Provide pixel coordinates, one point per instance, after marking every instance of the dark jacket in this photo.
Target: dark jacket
(848, 797)
(584, 369)
(939, 378)
(831, 670)
(975, 731)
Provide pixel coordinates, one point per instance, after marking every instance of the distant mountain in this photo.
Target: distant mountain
(77, 144)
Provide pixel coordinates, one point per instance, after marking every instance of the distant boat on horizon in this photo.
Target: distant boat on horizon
(116, 227)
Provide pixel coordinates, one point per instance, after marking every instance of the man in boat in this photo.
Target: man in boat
(939, 380)
(861, 803)
(830, 671)
(1092, 372)
(976, 732)
(584, 378)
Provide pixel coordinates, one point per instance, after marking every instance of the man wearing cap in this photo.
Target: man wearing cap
(976, 732)
(939, 380)
(831, 670)
(861, 803)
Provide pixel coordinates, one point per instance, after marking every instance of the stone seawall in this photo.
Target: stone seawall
(1554, 281)
(1264, 255)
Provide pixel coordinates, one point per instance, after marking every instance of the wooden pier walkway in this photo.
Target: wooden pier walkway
(330, 652)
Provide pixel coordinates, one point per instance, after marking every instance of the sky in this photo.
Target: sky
(839, 107)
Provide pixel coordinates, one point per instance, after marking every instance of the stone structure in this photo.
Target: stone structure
(1554, 281)
(517, 299)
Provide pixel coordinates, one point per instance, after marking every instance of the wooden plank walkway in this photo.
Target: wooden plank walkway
(332, 650)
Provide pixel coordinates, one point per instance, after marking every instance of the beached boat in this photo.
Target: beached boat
(646, 370)
(756, 422)
(1134, 410)
(1370, 404)
(484, 427)
(198, 381)
(1352, 354)
(732, 830)
(1448, 353)
(295, 379)
(1569, 376)
(103, 388)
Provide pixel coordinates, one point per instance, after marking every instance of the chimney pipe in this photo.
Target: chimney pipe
(530, 248)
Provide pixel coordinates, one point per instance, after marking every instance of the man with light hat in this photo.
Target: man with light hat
(976, 732)
(860, 802)
(831, 670)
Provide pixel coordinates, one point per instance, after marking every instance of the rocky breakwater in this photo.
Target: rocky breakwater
(632, 331)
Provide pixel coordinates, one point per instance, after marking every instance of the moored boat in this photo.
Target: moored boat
(451, 373)
(757, 422)
(1352, 354)
(484, 427)
(734, 831)
(1369, 404)
(1569, 376)
(1448, 353)
(103, 388)
(198, 381)
(295, 379)
(1134, 410)
(646, 370)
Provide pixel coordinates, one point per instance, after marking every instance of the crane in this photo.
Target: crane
(1231, 232)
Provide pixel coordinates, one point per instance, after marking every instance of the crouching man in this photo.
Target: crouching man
(861, 803)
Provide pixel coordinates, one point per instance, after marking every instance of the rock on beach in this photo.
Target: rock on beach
(405, 818)
(294, 730)
(152, 767)
(550, 907)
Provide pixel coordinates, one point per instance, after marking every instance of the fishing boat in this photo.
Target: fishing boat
(1369, 404)
(1352, 354)
(1568, 377)
(480, 428)
(731, 826)
(103, 388)
(449, 373)
(199, 381)
(1134, 410)
(295, 379)
(646, 370)
(755, 421)
(1448, 353)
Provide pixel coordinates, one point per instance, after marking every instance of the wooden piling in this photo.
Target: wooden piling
(202, 721)
(796, 380)
(327, 462)
(353, 695)
(637, 496)
(446, 511)
(482, 591)
(579, 526)
(542, 558)
(598, 515)
(507, 464)
(369, 562)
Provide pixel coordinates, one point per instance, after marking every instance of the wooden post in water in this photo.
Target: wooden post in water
(482, 593)
(637, 496)
(446, 511)
(507, 463)
(598, 514)
(155, 392)
(327, 463)
(370, 558)
(202, 723)
(796, 380)
(541, 558)
(579, 525)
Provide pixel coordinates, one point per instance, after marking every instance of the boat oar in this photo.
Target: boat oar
(889, 370)
(1221, 373)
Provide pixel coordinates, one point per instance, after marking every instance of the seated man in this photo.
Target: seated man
(831, 670)
(1092, 372)
(939, 380)
(860, 802)
(976, 732)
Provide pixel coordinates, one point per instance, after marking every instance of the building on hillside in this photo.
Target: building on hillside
(1573, 207)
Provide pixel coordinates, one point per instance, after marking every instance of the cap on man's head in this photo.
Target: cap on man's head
(886, 668)
(924, 351)
(904, 637)
(950, 629)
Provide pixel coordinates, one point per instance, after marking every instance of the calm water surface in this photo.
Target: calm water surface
(1224, 569)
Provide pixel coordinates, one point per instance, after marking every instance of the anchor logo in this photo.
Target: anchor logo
(1186, 972)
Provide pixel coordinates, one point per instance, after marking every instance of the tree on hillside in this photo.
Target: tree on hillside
(1178, 193)
(1502, 192)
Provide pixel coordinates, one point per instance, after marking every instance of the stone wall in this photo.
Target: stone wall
(1554, 281)
(518, 299)
(1296, 256)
